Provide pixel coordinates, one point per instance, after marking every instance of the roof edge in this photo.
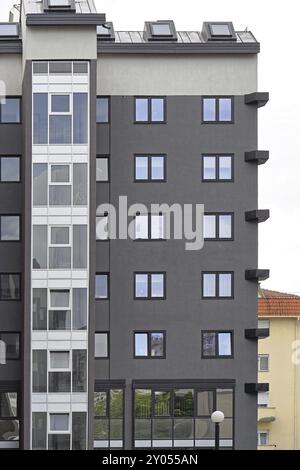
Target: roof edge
(64, 19)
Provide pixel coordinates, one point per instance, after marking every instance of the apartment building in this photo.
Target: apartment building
(278, 364)
(126, 343)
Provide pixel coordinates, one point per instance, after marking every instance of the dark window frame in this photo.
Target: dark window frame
(217, 355)
(20, 284)
(107, 391)
(107, 333)
(149, 239)
(149, 157)
(150, 98)
(217, 296)
(107, 274)
(217, 109)
(20, 168)
(172, 387)
(109, 109)
(149, 274)
(149, 333)
(217, 237)
(104, 157)
(217, 160)
(19, 97)
(20, 343)
(20, 228)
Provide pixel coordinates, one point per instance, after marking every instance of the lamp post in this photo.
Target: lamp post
(217, 417)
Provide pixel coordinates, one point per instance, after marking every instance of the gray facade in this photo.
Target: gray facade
(112, 409)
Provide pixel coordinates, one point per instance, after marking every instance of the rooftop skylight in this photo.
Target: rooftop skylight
(161, 29)
(220, 29)
(9, 29)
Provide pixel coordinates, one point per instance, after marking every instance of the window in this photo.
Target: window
(10, 110)
(65, 430)
(161, 29)
(150, 110)
(102, 286)
(59, 3)
(217, 344)
(263, 399)
(217, 109)
(217, 285)
(263, 362)
(101, 345)
(9, 412)
(218, 226)
(59, 310)
(149, 227)
(9, 346)
(59, 373)
(109, 418)
(102, 230)
(217, 168)
(63, 375)
(103, 30)
(39, 371)
(149, 286)
(80, 118)
(103, 110)
(10, 228)
(61, 190)
(60, 103)
(149, 344)
(9, 169)
(40, 184)
(67, 114)
(65, 309)
(150, 168)
(263, 324)
(9, 29)
(220, 29)
(263, 438)
(10, 287)
(59, 431)
(181, 417)
(102, 169)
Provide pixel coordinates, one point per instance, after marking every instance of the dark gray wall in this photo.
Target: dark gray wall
(183, 314)
(11, 253)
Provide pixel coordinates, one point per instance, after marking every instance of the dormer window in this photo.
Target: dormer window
(59, 5)
(218, 31)
(162, 30)
(105, 31)
(9, 30)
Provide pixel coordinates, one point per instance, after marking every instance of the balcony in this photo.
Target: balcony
(266, 414)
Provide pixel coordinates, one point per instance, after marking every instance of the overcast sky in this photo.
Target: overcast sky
(276, 25)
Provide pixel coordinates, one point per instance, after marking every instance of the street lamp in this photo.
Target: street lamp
(217, 417)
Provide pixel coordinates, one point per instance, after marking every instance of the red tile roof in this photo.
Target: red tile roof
(278, 304)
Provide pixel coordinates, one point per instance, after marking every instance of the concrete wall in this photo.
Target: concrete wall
(11, 74)
(184, 74)
(60, 43)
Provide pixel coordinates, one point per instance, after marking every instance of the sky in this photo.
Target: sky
(276, 25)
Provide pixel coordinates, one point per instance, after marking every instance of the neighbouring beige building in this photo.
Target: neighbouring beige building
(279, 409)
